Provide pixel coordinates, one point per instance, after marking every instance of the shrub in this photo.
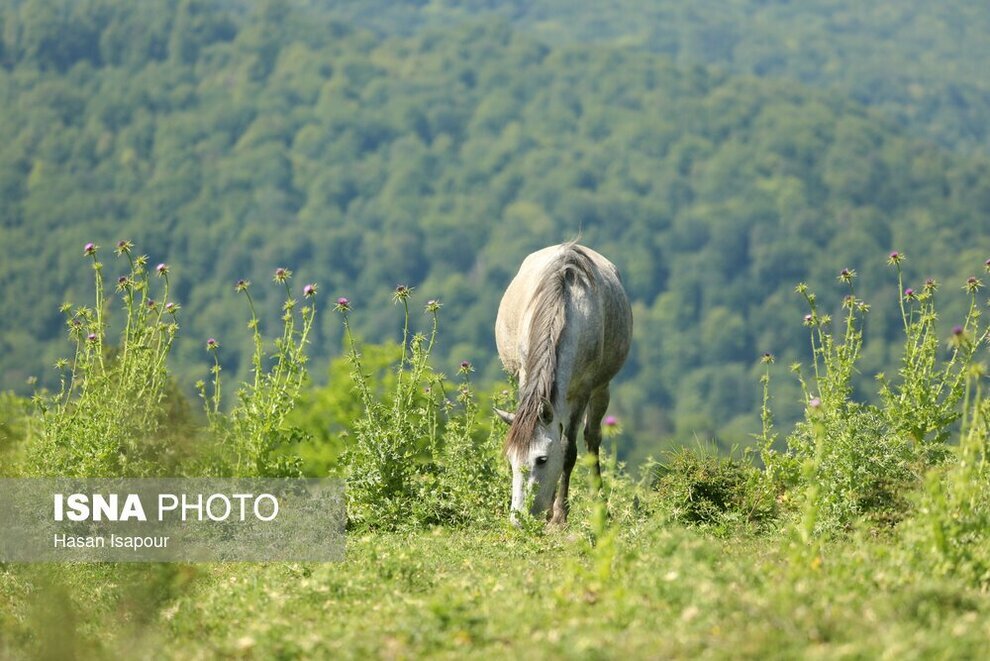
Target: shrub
(420, 454)
(701, 488)
(110, 415)
(253, 439)
(856, 459)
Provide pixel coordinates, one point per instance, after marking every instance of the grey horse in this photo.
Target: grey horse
(564, 327)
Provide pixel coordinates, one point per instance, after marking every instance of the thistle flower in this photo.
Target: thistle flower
(909, 293)
(958, 338)
(151, 304)
(986, 265)
(895, 258)
(767, 358)
(282, 274)
(91, 337)
(433, 305)
(610, 421)
(846, 275)
(124, 247)
(465, 367)
(402, 292)
(343, 304)
(89, 249)
(973, 284)
(815, 403)
(212, 344)
(309, 290)
(931, 285)
(171, 307)
(808, 319)
(242, 285)
(162, 270)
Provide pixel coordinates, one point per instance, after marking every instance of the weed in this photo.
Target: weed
(109, 417)
(419, 454)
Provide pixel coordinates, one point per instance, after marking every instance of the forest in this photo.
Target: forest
(718, 157)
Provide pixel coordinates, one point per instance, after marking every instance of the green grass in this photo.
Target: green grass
(670, 591)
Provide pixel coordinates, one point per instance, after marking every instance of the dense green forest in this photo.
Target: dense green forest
(719, 155)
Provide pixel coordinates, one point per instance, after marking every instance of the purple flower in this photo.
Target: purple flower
(171, 307)
(241, 285)
(212, 344)
(89, 249)
(124, 247)
(91, 337)
(465, 367)
(162, 269)
(808, 319)
(343, 304)
(895, 258)
(957, 330)
(309, 290)
(151, 303)
(122, 280)
(908, 293)
(282, 274)
(433, 305)
(815, 403)
(610, 421)
(972, 284)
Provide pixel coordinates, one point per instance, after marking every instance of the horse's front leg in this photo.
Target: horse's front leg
(561, 505)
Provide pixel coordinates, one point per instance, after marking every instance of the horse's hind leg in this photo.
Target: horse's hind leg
(561, 506)
(593, 428)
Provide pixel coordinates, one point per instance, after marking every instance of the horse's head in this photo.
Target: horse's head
(536, 453)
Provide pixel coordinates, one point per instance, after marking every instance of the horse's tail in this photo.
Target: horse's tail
(571, 266)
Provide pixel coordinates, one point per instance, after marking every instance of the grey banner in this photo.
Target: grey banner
(171, 520)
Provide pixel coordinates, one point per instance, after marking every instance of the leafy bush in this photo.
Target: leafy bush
(253, 436)
(416, 456)
(109, 417)
(700, 487)
(856, 459)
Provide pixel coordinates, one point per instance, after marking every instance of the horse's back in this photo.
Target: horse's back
(605, 284)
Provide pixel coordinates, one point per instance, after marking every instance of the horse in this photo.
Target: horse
(563, 328)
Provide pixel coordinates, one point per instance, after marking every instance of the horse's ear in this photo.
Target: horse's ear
(506, 416)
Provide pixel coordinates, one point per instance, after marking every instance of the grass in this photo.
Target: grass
(673, 591)
(866, 535)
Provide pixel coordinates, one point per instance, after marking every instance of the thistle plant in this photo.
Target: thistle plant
(924, 403)
(108, 412)
(253, 435)
(419, 454)
(857, 459)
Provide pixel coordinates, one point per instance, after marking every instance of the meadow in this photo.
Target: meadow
(861, 533)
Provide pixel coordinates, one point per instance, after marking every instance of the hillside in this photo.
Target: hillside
(921, 64)
(229, 142)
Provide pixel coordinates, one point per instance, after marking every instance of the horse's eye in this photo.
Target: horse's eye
(541, 460)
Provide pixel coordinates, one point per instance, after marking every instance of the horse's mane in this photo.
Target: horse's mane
(549, 305)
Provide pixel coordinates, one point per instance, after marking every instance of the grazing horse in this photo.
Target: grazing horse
(564, 327)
